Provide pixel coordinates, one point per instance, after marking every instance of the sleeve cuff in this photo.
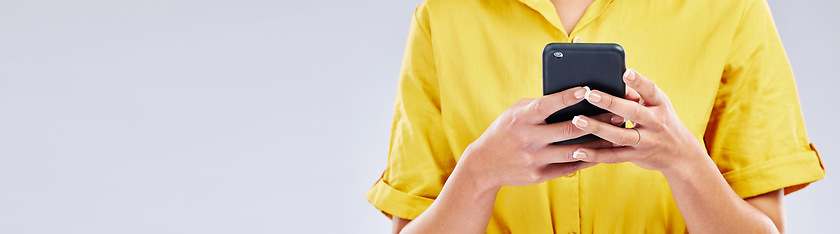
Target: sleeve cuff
(792, 173)
(394, 202)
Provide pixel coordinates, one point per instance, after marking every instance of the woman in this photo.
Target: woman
(719, 136)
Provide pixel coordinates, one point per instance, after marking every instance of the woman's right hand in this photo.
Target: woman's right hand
(516, 149)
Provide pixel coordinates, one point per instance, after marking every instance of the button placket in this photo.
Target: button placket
(566, 211)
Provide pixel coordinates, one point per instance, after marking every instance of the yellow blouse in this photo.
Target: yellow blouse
(720, 62)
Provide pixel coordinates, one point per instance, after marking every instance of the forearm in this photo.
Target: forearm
(464, 206)
(709, 205)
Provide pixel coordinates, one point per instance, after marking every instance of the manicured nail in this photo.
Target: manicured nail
(580, 93)
(586, 92)
(579, 154)
(580, 123)
(593, 97)
(629, 75)
(617, 119)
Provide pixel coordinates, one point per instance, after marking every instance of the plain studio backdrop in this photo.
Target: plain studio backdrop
(173, 116)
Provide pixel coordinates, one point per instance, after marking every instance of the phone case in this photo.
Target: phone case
(567, 65)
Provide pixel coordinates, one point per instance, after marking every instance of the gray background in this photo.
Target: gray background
(170, 116)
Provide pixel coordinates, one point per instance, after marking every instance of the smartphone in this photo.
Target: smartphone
(567, 65)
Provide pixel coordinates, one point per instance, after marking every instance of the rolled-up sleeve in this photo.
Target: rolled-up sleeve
(419, 160)
(756, 134)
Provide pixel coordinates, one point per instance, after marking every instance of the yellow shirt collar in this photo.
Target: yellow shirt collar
(547, 10)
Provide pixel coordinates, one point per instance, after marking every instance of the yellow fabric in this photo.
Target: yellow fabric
(720, 62)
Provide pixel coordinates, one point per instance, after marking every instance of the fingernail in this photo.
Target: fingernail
(617, 119)
(629, 75)
(580, 123)
(580, 93)
(586, 92)
(593, 97)
(579, 154)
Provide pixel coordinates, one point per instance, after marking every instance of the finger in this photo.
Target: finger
(555, 170)
(540, 108)
(623, 107)
(566, 130)
(631, 94)
(609, 118)
(565, 153)
(617, 135)
(645, 87)
(608, 155)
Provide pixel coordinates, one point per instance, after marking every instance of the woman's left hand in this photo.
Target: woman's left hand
(660, 141)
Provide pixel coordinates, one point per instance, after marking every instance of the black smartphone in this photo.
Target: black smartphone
(566, 65)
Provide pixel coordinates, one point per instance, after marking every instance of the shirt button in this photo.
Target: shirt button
(572, 233)
(571, 175)
(577, 40)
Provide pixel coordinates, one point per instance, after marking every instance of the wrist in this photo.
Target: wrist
(473, 179)
(688, 168)
(471, 175)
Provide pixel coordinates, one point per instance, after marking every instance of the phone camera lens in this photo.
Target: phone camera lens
(558, 54)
